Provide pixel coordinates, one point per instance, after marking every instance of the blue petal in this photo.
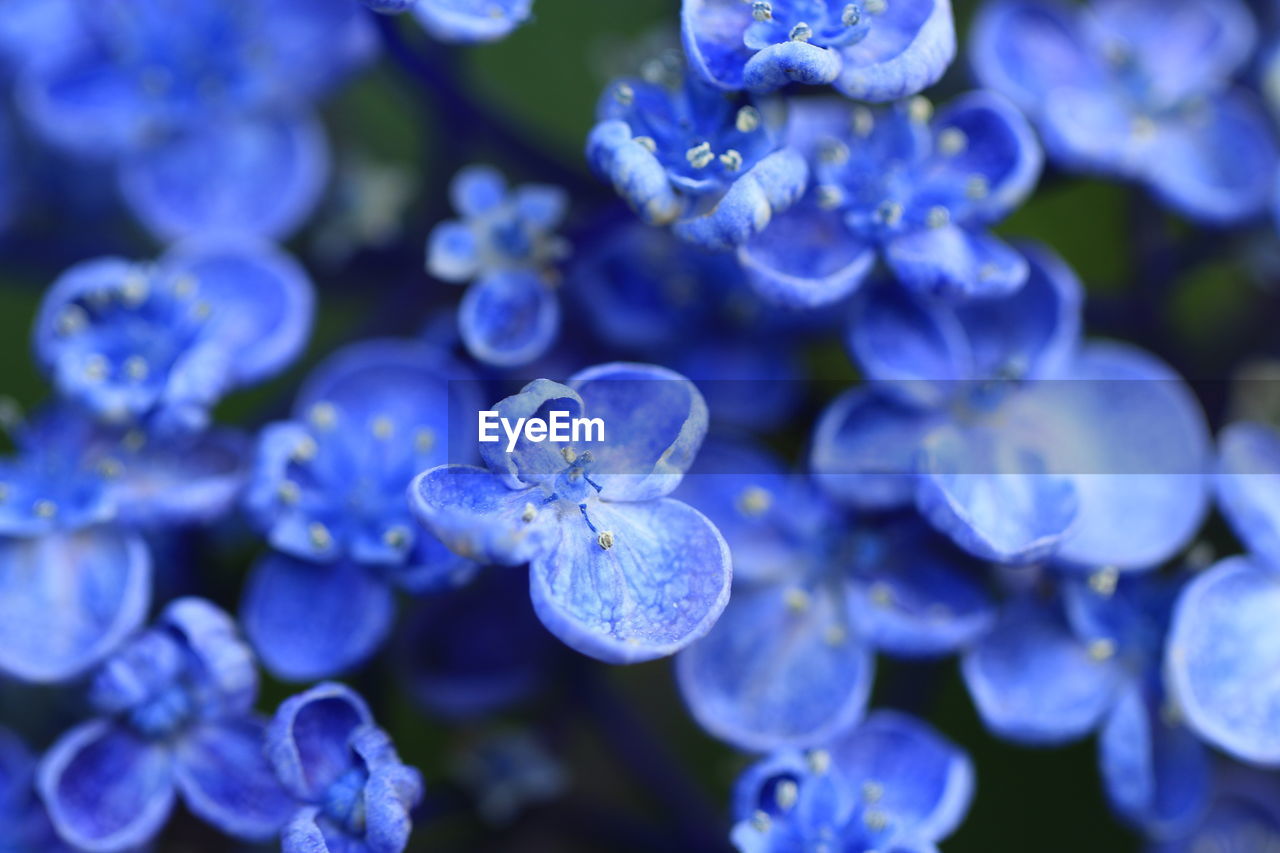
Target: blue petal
(224, 660)
(1132, 438)
(528, 462)
(1093, 130)
(541, 206)
(768, 188)
(1025, 49)
(1157, 774)
(310, 621)
(955, 262)
(1184, 49)
(1000, 146)
(183, 480)
(1248, 487)
(712, 32)
(926, 782)
(636, 174)
(806, 258)
(915, 596)
(655, 421)
(476, 515)
(1032, 333)
(907, 49)
(865, 448)
(1243, 814)
(775, 673)
(87, 104)
(1222, 655)
(68, 599)
(791, 62)
(661, 584)
(309, 739)
(1033, 682)
(472, 20)
(1208, 162)
(509, 318)
(262, 301)
(913, 342)
(255, 176)
(477, 190)
(453, 252)
(994, 496)
(225, 779)
(389, 7)
(107, 788)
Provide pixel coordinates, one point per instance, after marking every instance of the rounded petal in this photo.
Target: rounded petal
(525, 462)
(898, 337)
(1248, 487)
(68, 599)
(773, 673)
(660, 584)
(106, 788)
(907, 49)
(806, 258)
(185, 480)
(768, 188)
(309, 740)
(1025, 48)
(1000, 146)
(712, 32)
(310, 621)
(86, 104)
(477, 189)
(472, 20)
(257, 177)
(1033, 682)
(791, 62)
(1157, 774)
(262, 301)
(225, 779)
(476, 515)
(926, 782)
(654, 422)
(1209, 161)
(1132, 438)
(508, 318)
(453, 252)
(636, 174)
(1222, 655)
(955, 263)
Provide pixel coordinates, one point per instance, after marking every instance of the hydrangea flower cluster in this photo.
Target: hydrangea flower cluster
(815, 417)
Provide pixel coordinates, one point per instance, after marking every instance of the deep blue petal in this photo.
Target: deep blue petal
(907, 49)
(509, 318)
(106, 788)
(660, 584)
(806, 258)
(309, 739)
(780, 668)
(255, 176)
(912, 342)
(67, 599)
(1034, 682)
(182, 480)
(311, 621)
(712, 32)
(1222, 654)
(225, 779)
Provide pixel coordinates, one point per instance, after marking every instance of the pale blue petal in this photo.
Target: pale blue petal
(768, 188)
(528, 462)
(477, 190)
(712, 32)
(806, 258)
(1248, 487)
(453, 252)
(791, 62)
(474, 513)
(636, 174)
(907, 49)
(1025, 49)
(955, 263)
(472, 20)
(509, 318)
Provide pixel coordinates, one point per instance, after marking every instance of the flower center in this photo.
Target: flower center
(824, 23)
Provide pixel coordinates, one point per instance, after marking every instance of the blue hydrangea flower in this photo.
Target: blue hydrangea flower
(1222, 650)
(710, 163)
(872, 50)
(1090, 658)
(204, 107)
(75, 577)
(1138, 89)
(175, 718)
(815, 592)
(462, 20)
(506, 244)
(352, 793)
(328, 490)
(916, 188)
(1011, 437)
(618, 570)
(24, 826)
(892, 784)
(161, 343)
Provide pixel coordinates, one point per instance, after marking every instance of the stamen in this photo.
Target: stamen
(952, 141)
(319, 535)
(762, 11)
(185, 286)
(396, 537)
(646, 142)
(829, 197)
(529, 513)
(801, 32)
(1104, 581)
(1143, 127)
(424, 440)
(700, 155)
(754, 501)
(872, 791)
(834, 635)
(851, 15)
(864, 121)
(890, 213)
(96, 367)
(323, 415)
(71, 320)
(786, 794)
(134, 440)
(45, 508)
(289, 492)
(876, 7)
(569, 455)
(732, 160)
(819, 761)
(110, 468)
(977, 187)
(748, 119)
(760, 821)
(605, 539)
(383, 428)
(4, 492)
(305, 450)
(881, 594)
(797, 600)
(135, 367)
(624, 94)
(1102, 650)
(920, 109)
(834, 151)
(875, 820)
(937, 217)
(134, 290)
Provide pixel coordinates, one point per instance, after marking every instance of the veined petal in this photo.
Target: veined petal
(476, 515)
(910, 342)
(659, 583)
(106, 788)
(508, 318)
(781, 668)
(654, 423)
(956, 263)
(68, 599)
(225, 779)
